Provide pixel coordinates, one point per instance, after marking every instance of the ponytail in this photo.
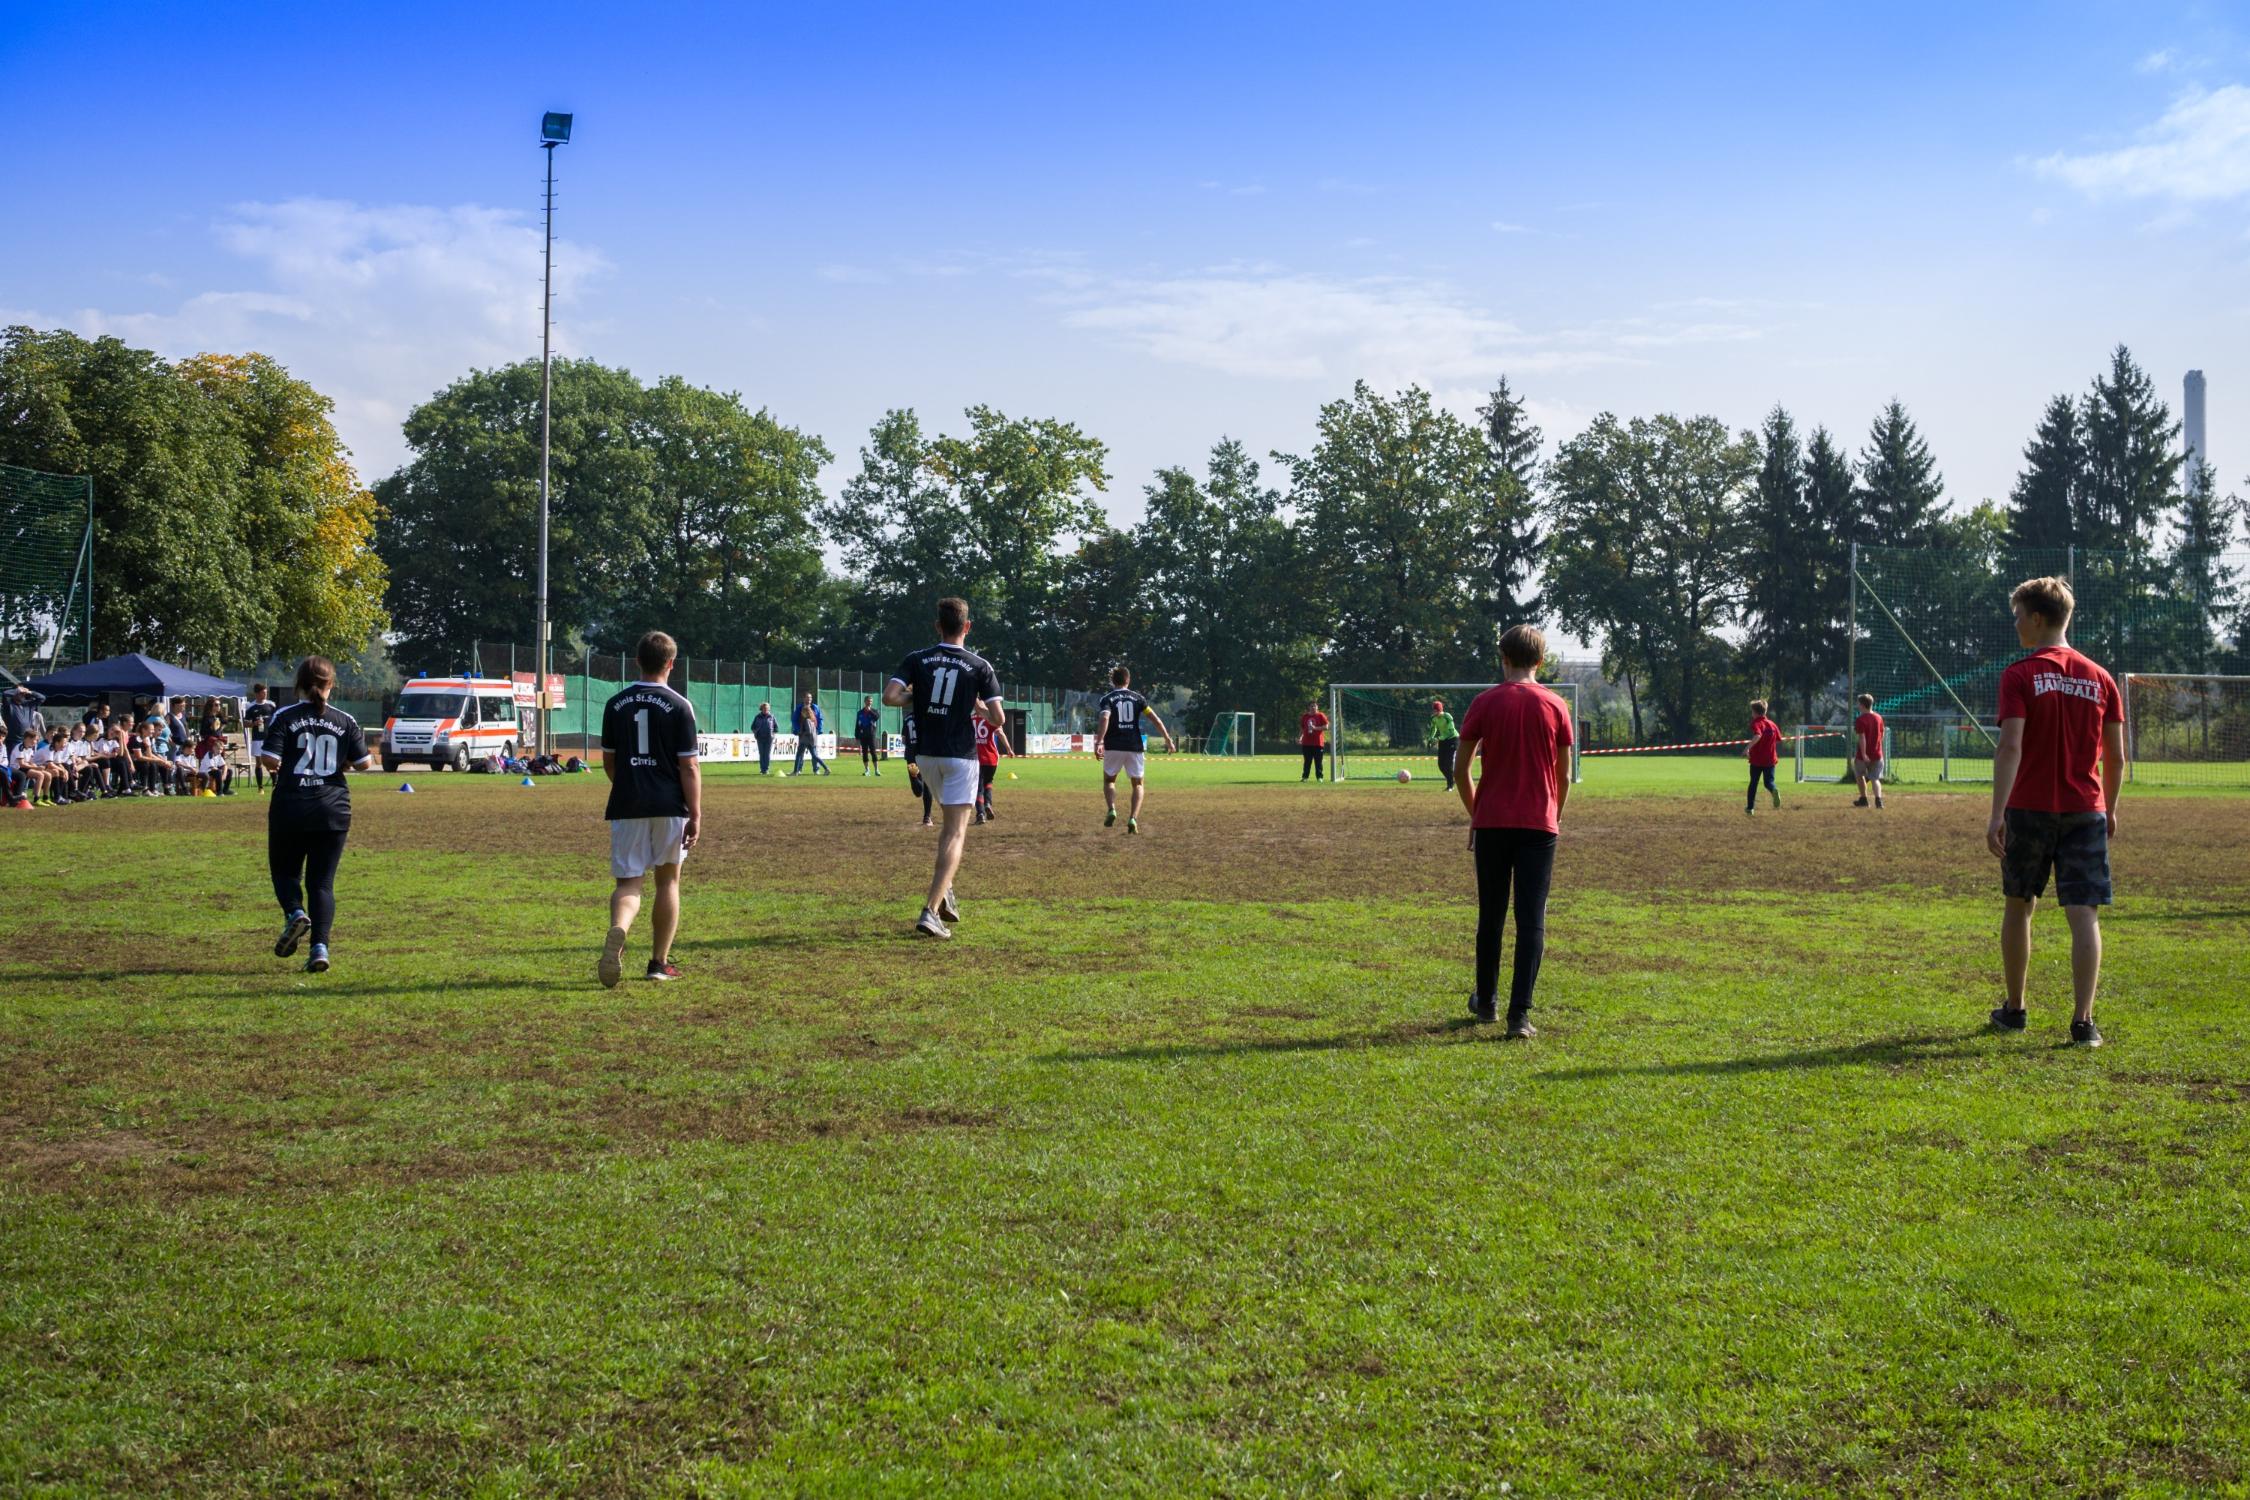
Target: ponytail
(316, 679)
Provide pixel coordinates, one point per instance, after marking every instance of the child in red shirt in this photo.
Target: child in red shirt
(1515, 812)
(2055, 780)
(1867, 751)
(1764, 753)
(1312, 738)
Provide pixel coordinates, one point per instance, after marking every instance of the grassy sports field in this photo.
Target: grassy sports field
(1179, 1172)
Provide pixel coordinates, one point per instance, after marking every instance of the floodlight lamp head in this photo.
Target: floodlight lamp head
(554, 129)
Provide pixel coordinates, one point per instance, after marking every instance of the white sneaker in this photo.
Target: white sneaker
(930, 927)
(949, 910)
(612, 967)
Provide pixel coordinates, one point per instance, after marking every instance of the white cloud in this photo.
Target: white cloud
(2198, 151)
(2162, 60)
(379, 306)
(1283, 325)
(851, 275)
(1502, 226)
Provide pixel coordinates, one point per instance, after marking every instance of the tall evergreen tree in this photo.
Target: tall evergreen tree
(1901, 493)
(1507, 543)
(2204, 588)
(1783, 606)
(2132, 465)
(2044, 506)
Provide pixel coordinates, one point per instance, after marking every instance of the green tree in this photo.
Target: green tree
(228, 524)
(1795, 570)
(2204, 589)
(1651, 534)
(1506, 546)
(2044, 506)
(1389, 496)
(1901, 493)
(2131, 462)
(670, 506)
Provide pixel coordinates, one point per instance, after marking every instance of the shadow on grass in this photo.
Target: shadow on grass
(2224, 914)
(1406, 1035)
(1880, 1053)
(371, 989)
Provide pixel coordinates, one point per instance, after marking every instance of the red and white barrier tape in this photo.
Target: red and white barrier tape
(1710, 744)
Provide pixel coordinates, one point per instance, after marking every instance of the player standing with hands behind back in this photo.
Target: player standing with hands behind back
(1515, 812)
(308, 747)
(947, 687)
(655, 809)
(1125, 746)
(2052, 809)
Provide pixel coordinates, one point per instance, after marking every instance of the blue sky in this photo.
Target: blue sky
(1166, 223)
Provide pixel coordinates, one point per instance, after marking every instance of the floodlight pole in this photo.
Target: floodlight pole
(546, 432)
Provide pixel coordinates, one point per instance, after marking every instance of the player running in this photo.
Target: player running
(992, 743)
(2055, 780)
(916, 785)
(1515, 812)
(308, 747)
(655, 809)
(947, 687)
(256, 715)
(1867, 752)
(1764, 753)
(1124, 745)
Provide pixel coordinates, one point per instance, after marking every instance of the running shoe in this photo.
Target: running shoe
(2006, 1019)
(949, 910)
(1483, 1010)
(1110, 820)
(663, 971)
(293, 930)
(1132, 825)
(612, 966)
(1520, 1028)
(930, 927)
(318, 963)
(2085, 1034)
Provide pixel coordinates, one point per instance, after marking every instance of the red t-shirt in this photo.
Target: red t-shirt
(988, 748)
(2064, 699)
(1870, 727)
(1518, 727)
(1765, 743)
(1312, 730)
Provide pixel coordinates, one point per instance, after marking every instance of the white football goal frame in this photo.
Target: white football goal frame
(1235, 722)
(2132, 724)
(1963, 767)
(1458, 695)
(1807, 733)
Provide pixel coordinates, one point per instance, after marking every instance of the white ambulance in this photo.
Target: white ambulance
(454, 721)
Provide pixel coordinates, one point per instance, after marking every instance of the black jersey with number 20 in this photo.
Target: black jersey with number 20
(1126, 709)
(316, 745)
(948, 683)
(647, 730)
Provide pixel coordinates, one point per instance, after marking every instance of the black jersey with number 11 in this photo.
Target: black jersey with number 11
(647, 730)
(948, 683)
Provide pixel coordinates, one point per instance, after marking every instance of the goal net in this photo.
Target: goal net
(1233, 734)
(1968, 750)
(2186, 730)
(1825, 751)
(1378, 729)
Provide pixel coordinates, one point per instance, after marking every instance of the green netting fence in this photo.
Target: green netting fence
(46, 568)
(1931, 632)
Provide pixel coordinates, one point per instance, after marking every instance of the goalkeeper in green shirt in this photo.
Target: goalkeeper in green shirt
(1445, 736)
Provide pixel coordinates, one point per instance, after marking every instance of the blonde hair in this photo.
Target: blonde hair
(1758, 707)
(2048, 598)
(1866, 700)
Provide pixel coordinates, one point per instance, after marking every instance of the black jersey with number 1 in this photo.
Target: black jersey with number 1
(647, 730)
(316, 745)
(948, 682)
(1126, 709)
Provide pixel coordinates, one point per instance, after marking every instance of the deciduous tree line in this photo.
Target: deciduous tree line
(1702, 563)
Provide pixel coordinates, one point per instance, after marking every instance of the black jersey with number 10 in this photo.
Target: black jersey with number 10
(316, 745)
(948, 683)
(647, 730)
(1126, 709)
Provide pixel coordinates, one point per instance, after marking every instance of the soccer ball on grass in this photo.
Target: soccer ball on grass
(1404, 776)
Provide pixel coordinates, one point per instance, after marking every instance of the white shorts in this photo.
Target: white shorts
(257, 748)
(214, 763)
(951, 779)
(1131, 763)
(639, 845)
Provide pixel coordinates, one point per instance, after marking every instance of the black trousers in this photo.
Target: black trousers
(1765, 773)
(765, 753)
(1524, 859)
(866, 751)
(1313, 754)
(1445, 750)
(304, 874)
